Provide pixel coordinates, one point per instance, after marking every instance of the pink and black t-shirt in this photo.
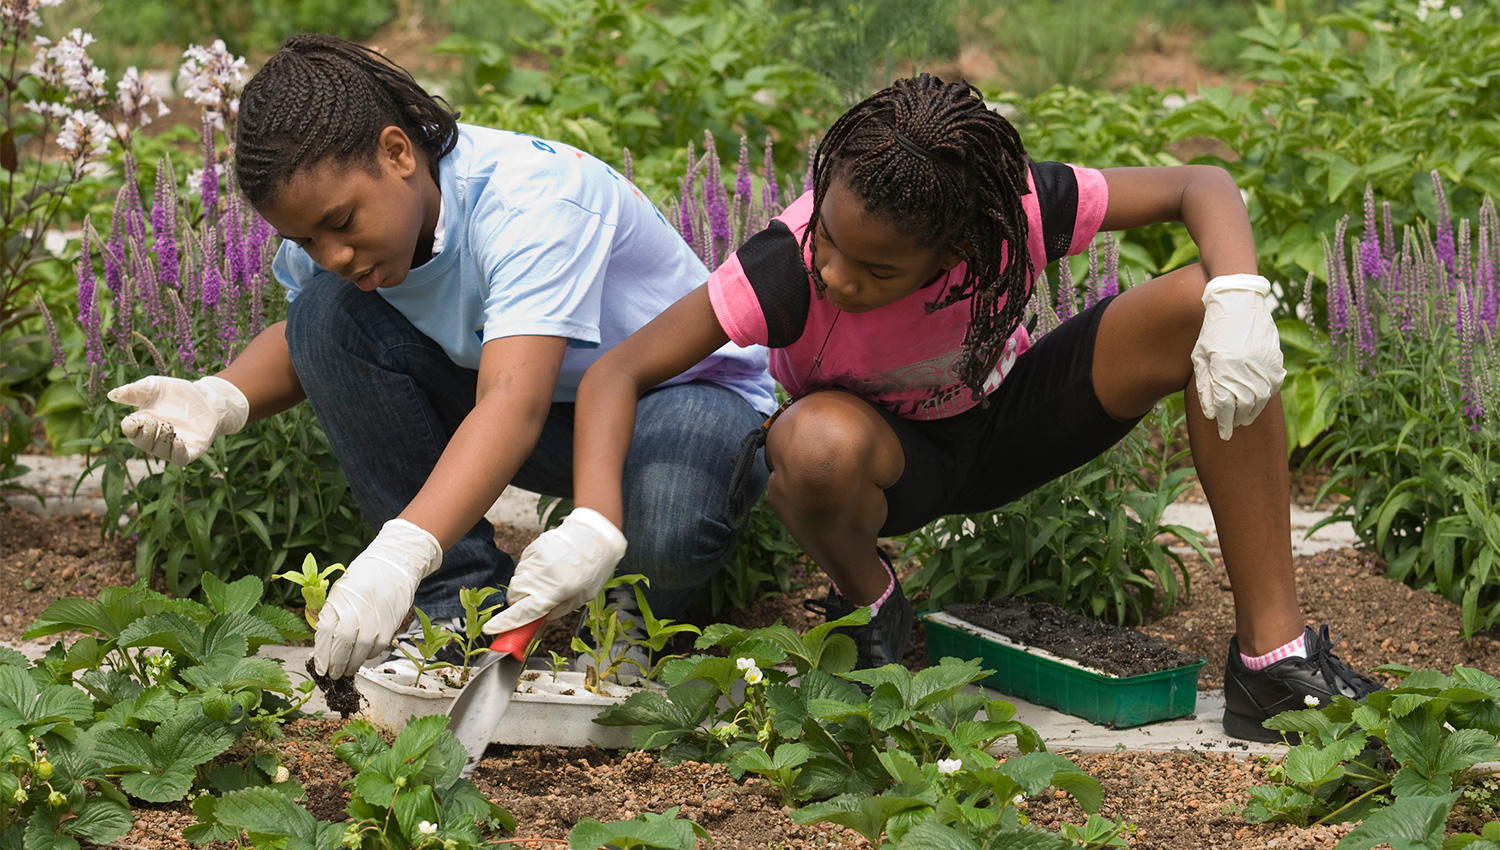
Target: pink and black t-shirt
(899, 356)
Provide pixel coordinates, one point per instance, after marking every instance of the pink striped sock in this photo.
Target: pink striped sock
(889, 589)
(1295, 648)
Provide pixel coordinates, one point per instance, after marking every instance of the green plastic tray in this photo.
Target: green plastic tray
(1040, 677)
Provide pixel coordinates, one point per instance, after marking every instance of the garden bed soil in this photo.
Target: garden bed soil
(1101, 646)
(1177, 800)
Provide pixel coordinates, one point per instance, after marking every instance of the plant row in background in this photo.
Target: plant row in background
(179, 281)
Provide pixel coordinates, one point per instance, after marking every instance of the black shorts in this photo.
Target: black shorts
(1043, 421)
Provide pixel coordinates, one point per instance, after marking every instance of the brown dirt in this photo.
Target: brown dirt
(1177, 800)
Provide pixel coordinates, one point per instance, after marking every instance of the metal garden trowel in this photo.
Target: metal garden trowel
(477, 709)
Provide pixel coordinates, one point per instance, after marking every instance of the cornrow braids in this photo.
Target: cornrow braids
(321, 97)
(938, 163)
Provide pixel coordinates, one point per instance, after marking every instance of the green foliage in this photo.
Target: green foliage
(861, 46)
(258, 499)
(890, 752)
(255, 26)
(313, 583)
(407, 794)
(646, 831)
(1414, 442)
(1399, 760)
(1371, 95)
(1087, 541)
(647, 77)
(608, 646)
(144, 705)
(1070, 43)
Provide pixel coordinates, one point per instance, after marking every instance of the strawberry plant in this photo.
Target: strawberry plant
(1399, 760)
(143, 706)
(406, 794)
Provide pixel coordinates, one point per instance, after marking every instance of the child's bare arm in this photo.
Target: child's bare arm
(674, 341)
(1202, 197)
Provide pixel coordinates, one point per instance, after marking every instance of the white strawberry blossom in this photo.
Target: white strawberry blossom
(948, 767)
(744, 663)
(753, 675)
(1311, 701)
(1017, 800)
(212, 78)
(427, 828)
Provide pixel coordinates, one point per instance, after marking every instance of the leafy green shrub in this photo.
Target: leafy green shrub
(1398, 761)
(1415, 438)
(257, 26)
(1381, 94)
(623, 73)
(1088, 541)
(186, 284)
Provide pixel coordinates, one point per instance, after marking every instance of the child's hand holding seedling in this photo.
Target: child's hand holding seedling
(314, 583)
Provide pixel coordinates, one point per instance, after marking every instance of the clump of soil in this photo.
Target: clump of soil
(340, 694)
(1113, 649)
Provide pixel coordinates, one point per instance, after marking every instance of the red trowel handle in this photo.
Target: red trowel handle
(515, 641)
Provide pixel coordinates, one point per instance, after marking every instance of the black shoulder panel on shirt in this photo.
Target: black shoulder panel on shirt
(1057, 195)
(772, 260)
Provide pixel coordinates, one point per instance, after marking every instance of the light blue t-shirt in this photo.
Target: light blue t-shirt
(542, 239)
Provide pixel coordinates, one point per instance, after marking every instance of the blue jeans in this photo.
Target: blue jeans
(389, 399)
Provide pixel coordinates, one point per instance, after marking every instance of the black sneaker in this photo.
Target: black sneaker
(1252, 696)
(884, 639)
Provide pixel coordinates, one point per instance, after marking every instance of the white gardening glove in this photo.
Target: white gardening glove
(1237, 361)
(370, 601)
(178, 419)
(561, 570)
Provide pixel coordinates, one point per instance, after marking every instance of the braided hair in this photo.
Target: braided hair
(321, 97)
(939, 164)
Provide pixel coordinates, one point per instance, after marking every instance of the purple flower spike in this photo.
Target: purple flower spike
(768, 200)
(58, 358)
(210, 169)
(1110, 282)
(685, 215)
(1371, 263)
(164, 224)
(185, 352)
(742, 180)
(1064, 290)
(812, 157)
(1091, 292)
(88, 299)
(1444, 241)
(629, 167)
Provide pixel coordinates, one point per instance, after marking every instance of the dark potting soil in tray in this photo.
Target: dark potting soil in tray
(1113, 649)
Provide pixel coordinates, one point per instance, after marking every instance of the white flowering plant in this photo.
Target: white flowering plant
(60, 119)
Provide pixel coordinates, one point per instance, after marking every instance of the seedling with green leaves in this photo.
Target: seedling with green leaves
(314, 583)
(608, 646)
(1399, 760)
(428, 643)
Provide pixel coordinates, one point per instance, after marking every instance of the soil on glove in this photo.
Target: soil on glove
(1102, 646)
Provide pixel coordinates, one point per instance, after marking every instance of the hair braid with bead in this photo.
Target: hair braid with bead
(942, 166)
(320, 97)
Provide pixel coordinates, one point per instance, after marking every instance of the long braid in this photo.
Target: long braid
(322, 97)
(939, 164)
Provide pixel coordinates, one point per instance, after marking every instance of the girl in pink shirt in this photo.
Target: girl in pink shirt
(891, 297)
